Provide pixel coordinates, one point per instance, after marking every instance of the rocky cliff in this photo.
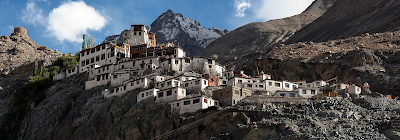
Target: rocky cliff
(17, 56)
(174, 27)
(261, 36)
(69, 112)
(351, 18)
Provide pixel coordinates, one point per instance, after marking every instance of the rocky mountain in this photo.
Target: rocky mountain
(261, 36)
(351, 18)
(174, 27)
(70, 112)
(17, 56)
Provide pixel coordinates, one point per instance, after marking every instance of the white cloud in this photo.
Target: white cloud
(33, 14)
(241, 6)
(275, 9)
(71, 20)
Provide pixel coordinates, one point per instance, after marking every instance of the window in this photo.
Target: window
(83, 54)
(240, 81)
(197, 82)
(98, 49)
(282, 95)
(103, 56)
(304, 91)
(278, 84)
(142, 94)
(123, 66)
(177, 104)
(103, 47)
(98, 78)
(195, 101)
(287, 85)
(224, 82)
(162, 85)
(168, 83)
(187, 60)
(209, 66)
(270, 83)
(312, 91)
(169, 93)
(134, 33)
(205, 82)
(249, 85)
(97, 58)
(92, 51)
(176, 62)
(205, 100)
(115, 76)
(140, 33)
(292, 95)
(87, 61)
(261, 86)
(92, 60)
(132, 83)
(186, 84)
(124, 87)
(147, 93)
(160, 94)
(186, 102)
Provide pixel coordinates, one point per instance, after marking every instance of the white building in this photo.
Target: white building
(138, 35)
(143, 95)
(104, 54)
(292, 94)
(353, 89)
(195, 84)
(171, 94)
(308, 92)
(170, 83)
(190, 105)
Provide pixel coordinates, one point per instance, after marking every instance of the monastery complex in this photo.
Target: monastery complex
(165, 75)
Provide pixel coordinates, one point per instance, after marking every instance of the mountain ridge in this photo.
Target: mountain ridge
(261, 36)
(186, 32)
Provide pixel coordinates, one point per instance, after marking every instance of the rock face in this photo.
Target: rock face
(355, 60)
(174, 27)
(17, 56)
(261, 36)
(70, 112)
(191, 36)
(351, 18)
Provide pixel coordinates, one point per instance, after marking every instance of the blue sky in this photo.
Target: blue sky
(61, 24)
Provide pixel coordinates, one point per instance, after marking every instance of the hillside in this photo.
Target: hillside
(70, 112)
(351, 18)
(261, 36)
(18, 53)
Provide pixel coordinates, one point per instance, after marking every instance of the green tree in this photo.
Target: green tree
(35, 71)
(90, 43)
(115, 41)
(84, 42)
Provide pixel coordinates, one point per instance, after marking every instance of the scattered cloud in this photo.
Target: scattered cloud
(275, 9)
(72, 19)
(33, 14)
(8, 29)
(240, 7)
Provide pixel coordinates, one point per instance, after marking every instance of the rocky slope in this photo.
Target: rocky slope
(367, 58)
(69, 112)
(17, 56)
(351, 18)
(174, 27)
(261, 36)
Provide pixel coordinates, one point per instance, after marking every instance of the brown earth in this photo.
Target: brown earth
(261, 36)
(351, 18)
(17, 56)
